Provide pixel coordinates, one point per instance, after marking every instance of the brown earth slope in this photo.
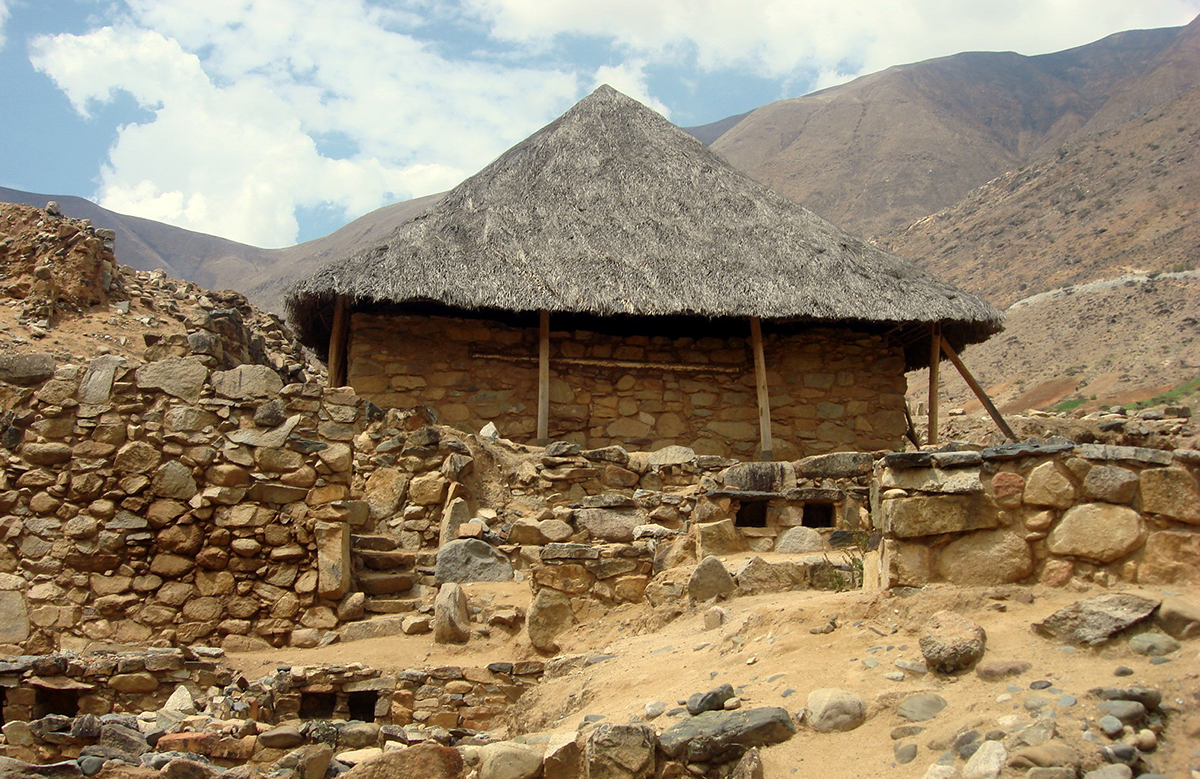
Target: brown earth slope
(876, 153)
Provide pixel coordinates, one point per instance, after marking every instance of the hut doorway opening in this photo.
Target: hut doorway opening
(50, 701)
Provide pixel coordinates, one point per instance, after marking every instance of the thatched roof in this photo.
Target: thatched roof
(612, 210)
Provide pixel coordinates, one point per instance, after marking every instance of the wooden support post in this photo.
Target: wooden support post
(760, 383)
(337, 344)
(978, 390)
(935, 357)
(543, 418)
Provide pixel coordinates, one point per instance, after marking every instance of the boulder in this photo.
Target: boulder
(549, 615)
(756, 575)
(611, 525)
(509, 760)
(1178, 617)
(26, 370)
(182, 377)
(247, 382)
(451, 620)
(620, 752)
(421, 761)
(1100, 532)
(952, 643)
(830, 709)
(1095, 620)
(926, 515)
(709, 580)
(720, 537)
(472, 560)
(1171, 492)
(986, 557)
(800, 540)
(725, 735)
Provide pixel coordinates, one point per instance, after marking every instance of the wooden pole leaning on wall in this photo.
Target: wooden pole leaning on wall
(935, 357)
(760, 385)
(978, 390)
(337, 343)
(543, 418)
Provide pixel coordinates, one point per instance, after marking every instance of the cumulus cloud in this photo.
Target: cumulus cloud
(258, 109)
(838, 38)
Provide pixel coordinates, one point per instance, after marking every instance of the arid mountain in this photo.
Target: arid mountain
(217, 263)
(212, 262)
(885, 149)
(1122, 201)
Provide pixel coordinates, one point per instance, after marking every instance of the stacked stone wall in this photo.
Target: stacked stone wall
(830, 389)
(1049, 513)
(168, 504)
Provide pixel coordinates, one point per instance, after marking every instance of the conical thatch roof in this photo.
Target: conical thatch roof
(612, 210)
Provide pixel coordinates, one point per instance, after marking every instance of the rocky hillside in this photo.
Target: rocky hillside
(886, 149)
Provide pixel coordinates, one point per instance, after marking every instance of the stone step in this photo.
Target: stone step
(392, 605)
(373, 543)
(391, 560)
(384, 582)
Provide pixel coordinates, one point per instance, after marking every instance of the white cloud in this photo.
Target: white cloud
(240, 93)
(777, 37)
(630, 79)
(3, 20)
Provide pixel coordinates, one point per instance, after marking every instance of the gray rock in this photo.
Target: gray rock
(800, 540)
(830, 709)
(1095, 620)
(1111, 726)
(921, 707)
(760, 476)
(281, 737)
(549, 615)
(472, 560)
(1179, 618)
(1154, 644)
(952, 643)
(1110, 484)
(749, 767)
(611, 525)
(672, 455)
(173, 479)
(182, 377)
(713, 700)
(838, 465)
(247, 382)
(725, 735)
(26, 370)
(124, 740)
(451, 620)
(620, 752)
(1128, 712)
(1147, 696)
(96, 386)
(709, 580)
(14, 618)
(1110, 772)
(987, 762)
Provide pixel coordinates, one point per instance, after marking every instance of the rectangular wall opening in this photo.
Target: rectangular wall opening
(752, 513)
(50, 701)
(817, 515)
(317, 705)
(362, 705)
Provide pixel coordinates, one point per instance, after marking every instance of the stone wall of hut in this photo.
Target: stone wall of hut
(831, 389)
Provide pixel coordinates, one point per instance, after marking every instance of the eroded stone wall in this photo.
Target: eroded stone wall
(830, 389)
(1049, 513)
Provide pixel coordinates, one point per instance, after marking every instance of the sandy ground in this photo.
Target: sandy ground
(766, 651)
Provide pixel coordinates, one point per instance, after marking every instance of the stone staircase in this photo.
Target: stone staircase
(393, 579)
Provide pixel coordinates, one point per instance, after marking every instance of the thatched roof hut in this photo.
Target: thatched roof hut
(612, 211)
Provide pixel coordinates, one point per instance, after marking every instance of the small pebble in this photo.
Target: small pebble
(1040, 684)
(895, 676)
(1123, 670)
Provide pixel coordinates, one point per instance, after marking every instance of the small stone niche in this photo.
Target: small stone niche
(751, 513)
(49, 700)
(318, 705)
(362, 705)
(818, 515)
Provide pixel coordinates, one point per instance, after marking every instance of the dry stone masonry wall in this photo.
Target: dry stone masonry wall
(1029, 512)
(830, 389)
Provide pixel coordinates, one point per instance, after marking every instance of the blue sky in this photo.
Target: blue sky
(277, 121)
